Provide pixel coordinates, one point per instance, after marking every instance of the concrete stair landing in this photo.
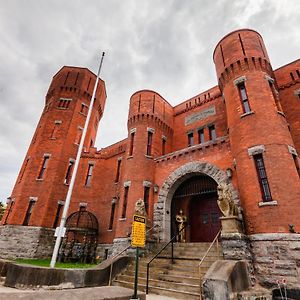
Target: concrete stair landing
(180, 280)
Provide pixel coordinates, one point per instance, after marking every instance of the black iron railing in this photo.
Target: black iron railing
(171, 241)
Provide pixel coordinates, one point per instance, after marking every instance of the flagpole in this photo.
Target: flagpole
(60, 232)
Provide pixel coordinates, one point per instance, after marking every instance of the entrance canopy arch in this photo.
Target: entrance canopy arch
(162, 210)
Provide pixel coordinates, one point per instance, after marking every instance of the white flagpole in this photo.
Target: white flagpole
(70, 190)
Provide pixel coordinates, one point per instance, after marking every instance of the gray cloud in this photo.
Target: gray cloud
(161, 45)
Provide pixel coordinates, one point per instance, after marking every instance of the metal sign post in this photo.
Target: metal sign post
(138, 239)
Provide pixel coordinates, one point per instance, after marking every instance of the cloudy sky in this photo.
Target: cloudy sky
(162, 45)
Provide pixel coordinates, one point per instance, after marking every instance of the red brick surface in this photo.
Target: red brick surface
(241, 53)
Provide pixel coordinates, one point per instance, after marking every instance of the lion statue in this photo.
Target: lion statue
(225, 202)
(139, 208)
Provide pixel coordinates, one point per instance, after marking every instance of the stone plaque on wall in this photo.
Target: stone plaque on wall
(200, 115)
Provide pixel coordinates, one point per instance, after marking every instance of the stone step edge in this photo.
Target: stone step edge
(159, 288)
(176, 283)
(163, 274)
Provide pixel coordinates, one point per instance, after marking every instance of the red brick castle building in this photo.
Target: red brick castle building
(244, 131)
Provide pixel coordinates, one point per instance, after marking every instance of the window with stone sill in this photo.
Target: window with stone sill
(89, 174)
(244, 97)
(28, 212)
(190, 139)
(43, 167)
(125, 199)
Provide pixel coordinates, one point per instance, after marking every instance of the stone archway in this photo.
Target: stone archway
(162, 209)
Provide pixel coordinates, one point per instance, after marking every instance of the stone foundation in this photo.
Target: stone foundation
(272, 258)
(26, 241)
(104, 251)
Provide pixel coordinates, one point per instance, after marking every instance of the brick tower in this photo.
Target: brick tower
(42, 184)
(261, 143)
(150, 123)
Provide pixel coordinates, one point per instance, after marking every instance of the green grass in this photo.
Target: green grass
(46, 263)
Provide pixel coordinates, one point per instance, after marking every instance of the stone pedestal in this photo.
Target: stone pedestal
(231, 224)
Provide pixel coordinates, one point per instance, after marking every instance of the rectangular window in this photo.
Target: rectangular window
(131, 143)
(84, 109)
(118, 171)
(69, 172)
(149, 143)
(212, 132)
(146, 197)
(201, 136)
(126, 190)
(244, 97)
(43, 168)
(28, 212)
(58, 214)
(163, 146)
(296, 161)
(112, 216)
(64, 103)
(190, 139)
(88, 178)
(262, 177)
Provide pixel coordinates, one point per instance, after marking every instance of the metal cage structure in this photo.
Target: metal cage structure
(81, 238)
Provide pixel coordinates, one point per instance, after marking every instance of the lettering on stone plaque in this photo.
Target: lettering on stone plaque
(200, 115)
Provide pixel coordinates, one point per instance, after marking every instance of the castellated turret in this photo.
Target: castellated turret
(41, 187)
(261, 143)
(150, 131)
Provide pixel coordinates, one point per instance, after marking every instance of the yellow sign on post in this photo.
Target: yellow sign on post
(138, 236)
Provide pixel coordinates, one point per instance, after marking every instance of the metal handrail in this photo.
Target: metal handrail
(155, 256)
(215, 240)
(118, 254)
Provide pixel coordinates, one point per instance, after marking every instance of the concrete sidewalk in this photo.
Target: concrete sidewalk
(95, 293)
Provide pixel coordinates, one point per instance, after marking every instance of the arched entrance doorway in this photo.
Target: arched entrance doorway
(197, 197)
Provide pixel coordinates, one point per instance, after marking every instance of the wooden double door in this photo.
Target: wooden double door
(204, 218)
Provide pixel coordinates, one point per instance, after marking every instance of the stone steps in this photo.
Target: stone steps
(160, 291)
(180, 279)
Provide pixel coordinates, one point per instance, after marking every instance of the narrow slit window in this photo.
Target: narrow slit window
(124, 208)
(44, 167)
(190, 139)
(244, 97)
(118, 171)
(272, 87)
(212, 132)
(28, 213)
(24, 169)
(78, 135)
(131, 143)
(146, 197)
(163, 146)
(69, 172)
(9, 211)
(112, 216)
(58, 214)
(84, 109)
(54, 131)
(201, 136)
(89, 174)
(262, 177)
(64, 103)
(149, 143)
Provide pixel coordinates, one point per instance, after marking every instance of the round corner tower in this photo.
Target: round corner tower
(261, 143)
(150, 129)
(43, 180)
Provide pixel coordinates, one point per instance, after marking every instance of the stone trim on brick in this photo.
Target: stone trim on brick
(247, 114)
(162, 209)
(149, 129)
(57, 121)
(132, 130)
(163, 137)
(46, 155)
(256, 150)
(61, 202)
(147, 183)
(292, 150)
(127, 183)
(33, 199)
(267, 203)
(119, 158)
(114, 200)
(239, 80)
(297, 92)
(83, 204)
(91, 162)
(270, 79)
